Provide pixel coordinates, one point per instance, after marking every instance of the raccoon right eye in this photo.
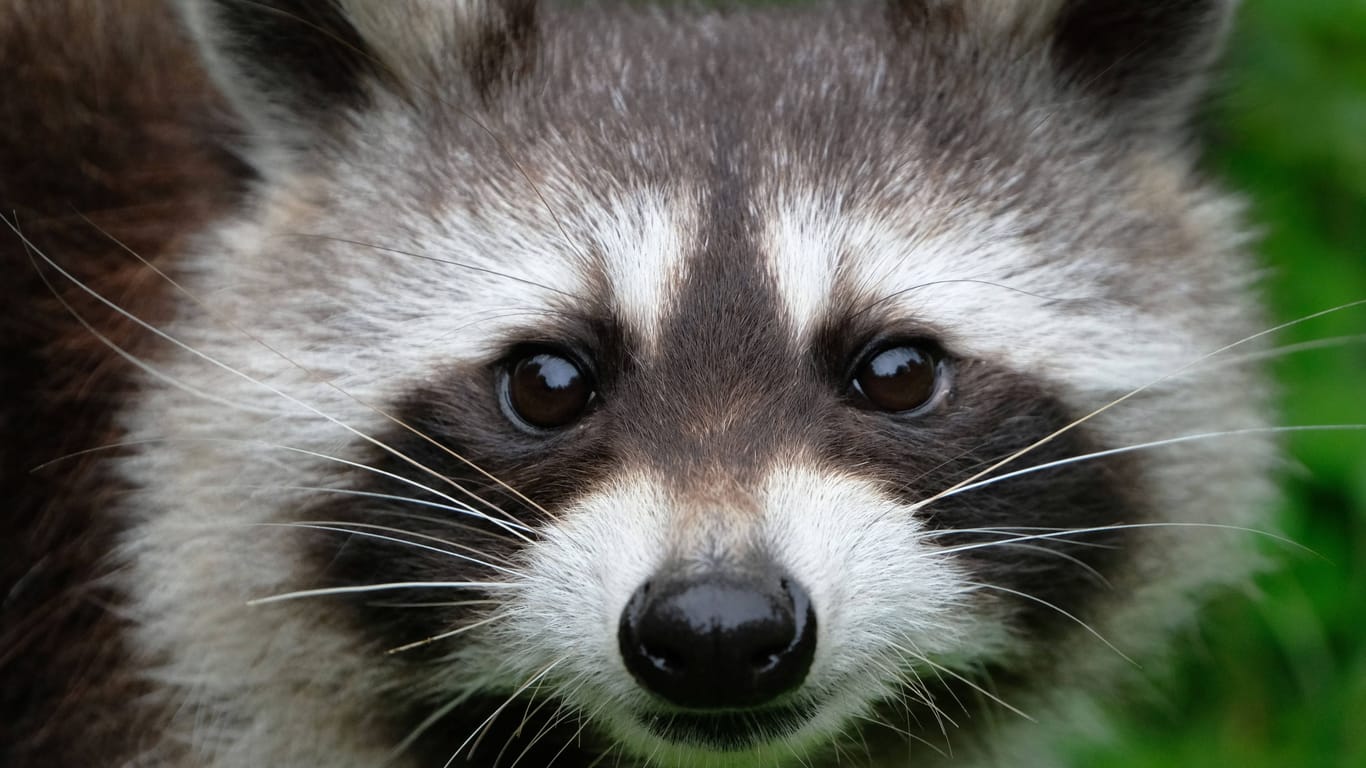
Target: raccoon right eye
(545, 389)
(899, 378)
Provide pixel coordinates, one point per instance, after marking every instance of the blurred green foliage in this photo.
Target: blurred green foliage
(1279, 678)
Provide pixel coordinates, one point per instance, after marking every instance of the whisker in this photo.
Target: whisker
(1135, 392)
(606, 754)
(1012, 531)
(129, 357)
(446, 635)
(562, 713)
(306, 593)
(246, 377)
(331, 385)
(1121, 527)
(458, 507)
(921, 693)
(407, 500)
(920, 655)
(1073, 559)
(350, 530)
(467, 462)
(576, 738)
(1286, 350)
(1073, 617)
(573, 739)
(1139, 447)
(535, 679)
(906, 732)
(966, 681)
(441, 604)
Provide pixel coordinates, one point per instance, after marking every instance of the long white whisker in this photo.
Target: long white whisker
(1140, 447)
(306, 593)
(1285, 350)
(224, 366)
(1073, 617)
(447, 635)
(1011, 531)
(406, 500)
(922, 694)
(916, 653)
(323, 380)
(906, 733)
(584, 720)
(458, 506)
(134, 360)
(1073, 559)
(462, 459)
(965, 681)
(535, 679)
(562, 713)
(351, 530)
(1120, 527)
(440, 604)
(1135, 392)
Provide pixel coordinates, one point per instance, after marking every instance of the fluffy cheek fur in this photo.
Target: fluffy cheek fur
(243, 411)
(889, 604)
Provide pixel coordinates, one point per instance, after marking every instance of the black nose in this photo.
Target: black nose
(713, 642)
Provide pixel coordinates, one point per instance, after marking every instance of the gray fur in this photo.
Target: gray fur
(722, 208)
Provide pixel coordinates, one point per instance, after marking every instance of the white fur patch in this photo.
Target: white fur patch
(988, 292)
(296, 315)
(882, 594)
(645, 243)
(801, 245)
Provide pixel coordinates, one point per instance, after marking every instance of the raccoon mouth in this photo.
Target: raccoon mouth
(729, 731)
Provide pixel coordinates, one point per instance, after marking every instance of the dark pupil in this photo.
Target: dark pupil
(548, 391)
(898, 379)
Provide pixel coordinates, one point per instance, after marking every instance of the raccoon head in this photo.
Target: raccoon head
(701, 388)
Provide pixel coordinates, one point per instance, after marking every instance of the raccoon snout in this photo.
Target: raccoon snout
(718, 642)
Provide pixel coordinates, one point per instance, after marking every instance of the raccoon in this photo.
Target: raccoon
(492, 383)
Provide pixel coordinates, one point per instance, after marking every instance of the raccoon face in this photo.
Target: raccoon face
(712, 389)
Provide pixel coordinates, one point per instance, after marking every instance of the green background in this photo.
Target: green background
(1277, 677)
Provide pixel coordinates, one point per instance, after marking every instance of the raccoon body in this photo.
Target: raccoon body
(481, 383)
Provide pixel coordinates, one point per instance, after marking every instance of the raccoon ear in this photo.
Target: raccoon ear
(291, 65)
(1151, 54)
(1145, 58)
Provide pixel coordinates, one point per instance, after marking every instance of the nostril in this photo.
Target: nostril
(717, 642)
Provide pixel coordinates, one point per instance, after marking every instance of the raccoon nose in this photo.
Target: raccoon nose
(712, 642)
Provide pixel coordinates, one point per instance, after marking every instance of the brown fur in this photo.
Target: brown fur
(107, 137)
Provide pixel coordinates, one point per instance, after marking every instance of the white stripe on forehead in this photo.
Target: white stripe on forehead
(644, 239)
(981, 285)
(801, 242)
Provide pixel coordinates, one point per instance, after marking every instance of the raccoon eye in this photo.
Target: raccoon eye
(899, 378)
(545, 389)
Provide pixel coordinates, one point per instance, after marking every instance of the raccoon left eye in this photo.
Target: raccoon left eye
(898, 378)
(547, 389)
